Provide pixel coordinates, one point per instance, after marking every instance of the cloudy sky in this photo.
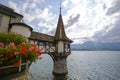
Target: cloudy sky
(84, 20)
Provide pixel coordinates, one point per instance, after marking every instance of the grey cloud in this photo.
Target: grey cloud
(40, 29)
(82, 38)
(52, 31)
(112, 35)
(72, 20)
(114, 8)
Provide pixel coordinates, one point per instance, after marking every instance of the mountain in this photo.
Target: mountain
(89, 45)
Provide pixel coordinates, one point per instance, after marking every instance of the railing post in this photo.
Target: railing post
(20, 65)
(27, 62)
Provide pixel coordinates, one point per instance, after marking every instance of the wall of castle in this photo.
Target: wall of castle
(20, 29)
(60, 46)
(4, 23)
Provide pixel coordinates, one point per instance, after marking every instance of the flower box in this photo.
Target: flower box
(5, 70)
(16, 53)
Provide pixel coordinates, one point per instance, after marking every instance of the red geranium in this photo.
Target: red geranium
(23, 48)
(17, 63)
(14, 48)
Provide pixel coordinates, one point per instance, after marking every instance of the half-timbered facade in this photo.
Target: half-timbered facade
(45, 42)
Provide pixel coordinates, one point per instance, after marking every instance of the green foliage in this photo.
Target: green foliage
(14, 47)
(7, 38)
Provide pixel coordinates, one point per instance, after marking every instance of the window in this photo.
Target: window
(66, 46)
(41, 44)
(0, 20)
(52, 44)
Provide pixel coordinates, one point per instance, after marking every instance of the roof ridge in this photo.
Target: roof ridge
(6, 8)
(42, 33)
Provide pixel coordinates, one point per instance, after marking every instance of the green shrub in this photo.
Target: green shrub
(14, 47)
(7, 38)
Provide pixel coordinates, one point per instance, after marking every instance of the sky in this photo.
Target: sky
(84, 20)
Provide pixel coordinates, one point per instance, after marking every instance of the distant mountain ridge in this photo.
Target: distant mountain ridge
(89, 45)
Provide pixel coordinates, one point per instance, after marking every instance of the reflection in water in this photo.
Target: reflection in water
(60, 78)
(82, 65)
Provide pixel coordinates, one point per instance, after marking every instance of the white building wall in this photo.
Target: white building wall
(60, 46)
(4, 23)
(52, 49)
(23, 30)
(32, 41)
(44, 50)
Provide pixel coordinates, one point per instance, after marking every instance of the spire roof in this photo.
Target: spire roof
(60, 34)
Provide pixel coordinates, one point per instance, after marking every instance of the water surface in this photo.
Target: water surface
(82, 65)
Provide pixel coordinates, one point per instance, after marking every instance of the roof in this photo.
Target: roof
(60, 32)
(6, 8)
(22, 24)
(41, 37)
(8, 11)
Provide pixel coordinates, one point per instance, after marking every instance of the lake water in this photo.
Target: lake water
(82, 65)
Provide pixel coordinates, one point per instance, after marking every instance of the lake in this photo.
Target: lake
(82, 65)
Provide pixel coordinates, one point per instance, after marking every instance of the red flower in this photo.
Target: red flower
(16, 53)
(19, 46)
(10, 45)
(30, 49)
(1, 44)
(17, 63)
(23, 49)
(34, 45)
(11, 55)
(39, 52)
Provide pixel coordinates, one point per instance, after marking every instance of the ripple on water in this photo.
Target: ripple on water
(82, 65)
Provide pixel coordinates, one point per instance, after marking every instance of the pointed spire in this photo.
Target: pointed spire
(60, 8)
(60, 32)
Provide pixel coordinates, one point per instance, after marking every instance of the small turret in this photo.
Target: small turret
(60, 34)
(62, 49)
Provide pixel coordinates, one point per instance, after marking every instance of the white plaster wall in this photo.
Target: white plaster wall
(42, 49)
(35, 42)
(23, 30)
(67, 50)
(31, 41)
(52, 49)
(60, 46)
(4, 23)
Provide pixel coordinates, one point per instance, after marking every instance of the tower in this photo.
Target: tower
(62, 49)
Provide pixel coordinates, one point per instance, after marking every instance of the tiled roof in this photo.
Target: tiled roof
(6, 8)
(41, 37)
(8, 11)
(59, 35)
(60, 32)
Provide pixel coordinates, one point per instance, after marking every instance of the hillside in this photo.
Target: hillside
(96, 46)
